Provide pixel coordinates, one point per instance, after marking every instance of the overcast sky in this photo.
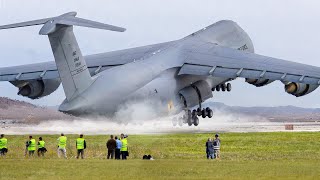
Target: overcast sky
(287, 29)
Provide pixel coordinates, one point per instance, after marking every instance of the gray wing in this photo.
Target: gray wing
(217, 61)
(96, 63)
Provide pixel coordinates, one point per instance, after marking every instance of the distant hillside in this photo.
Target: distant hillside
(23, 112)
(279, 113)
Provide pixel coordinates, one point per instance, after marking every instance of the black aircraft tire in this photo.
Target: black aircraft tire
(189, 120)
(229, 87)
(196, 121)
(210, 113)
(223, 87)
(199, 112)
(194, 112)
(204, 113)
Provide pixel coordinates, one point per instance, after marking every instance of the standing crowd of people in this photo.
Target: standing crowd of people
(31, 147)
(117, 148)
(213, 147)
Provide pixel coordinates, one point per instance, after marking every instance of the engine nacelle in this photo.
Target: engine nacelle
(35, 89)
(259, 82)
(195, 93)
(299, 89)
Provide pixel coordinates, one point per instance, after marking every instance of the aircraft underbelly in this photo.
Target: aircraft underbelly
(164, 90)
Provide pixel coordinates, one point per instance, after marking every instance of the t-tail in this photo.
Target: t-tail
(72, 68)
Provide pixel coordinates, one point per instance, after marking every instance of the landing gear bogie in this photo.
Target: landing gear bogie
(192, 117)
(222, 87)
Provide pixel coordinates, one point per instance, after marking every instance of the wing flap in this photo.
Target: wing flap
(232, 73)
(231, 63)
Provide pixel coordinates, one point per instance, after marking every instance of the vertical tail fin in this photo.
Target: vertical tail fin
(72, 68)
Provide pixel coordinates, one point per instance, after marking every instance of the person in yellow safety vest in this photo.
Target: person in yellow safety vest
(31, 146)
(41, 147)
(62, 143)
(81, 146)
(124, 147)
(3, 145)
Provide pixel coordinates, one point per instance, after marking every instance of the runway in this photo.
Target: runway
(157, 126)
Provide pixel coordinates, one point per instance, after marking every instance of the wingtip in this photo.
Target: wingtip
(123, 30)
(72, 13)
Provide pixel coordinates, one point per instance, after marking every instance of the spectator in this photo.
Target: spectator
(216, 146)
(118, 147)
(209, 149)
(111, 145)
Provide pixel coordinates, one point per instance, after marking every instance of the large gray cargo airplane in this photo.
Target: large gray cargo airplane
(179, 75)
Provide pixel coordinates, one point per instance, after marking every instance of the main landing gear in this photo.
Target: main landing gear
(191, 117)
(222, 87)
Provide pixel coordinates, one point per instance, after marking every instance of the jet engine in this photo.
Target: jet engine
(259, 82)
(35, 89)
(195, 93)
(299, 89)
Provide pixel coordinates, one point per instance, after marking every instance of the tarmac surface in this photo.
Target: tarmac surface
(157, 126)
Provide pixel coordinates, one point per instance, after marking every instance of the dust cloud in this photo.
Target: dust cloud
(144, 118)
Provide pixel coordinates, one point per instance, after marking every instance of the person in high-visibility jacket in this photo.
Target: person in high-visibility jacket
(62, 143)
(41, 147)
(3, 145)
(31, 146)
(81, 146)
(124, 147)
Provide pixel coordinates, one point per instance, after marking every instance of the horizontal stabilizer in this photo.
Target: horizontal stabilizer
(28, 23)
(52, 24)
(73, 71)
(88, 23)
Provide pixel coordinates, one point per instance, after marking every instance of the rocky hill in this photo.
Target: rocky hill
(23, 112)
(278, 114)
(27, 113)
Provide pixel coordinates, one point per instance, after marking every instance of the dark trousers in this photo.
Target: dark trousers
(124, 155)
(41, 151)
(110, 154)
(210, 155)
(31, 153)
(3, 151)
(117, 154)
(80, 151)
